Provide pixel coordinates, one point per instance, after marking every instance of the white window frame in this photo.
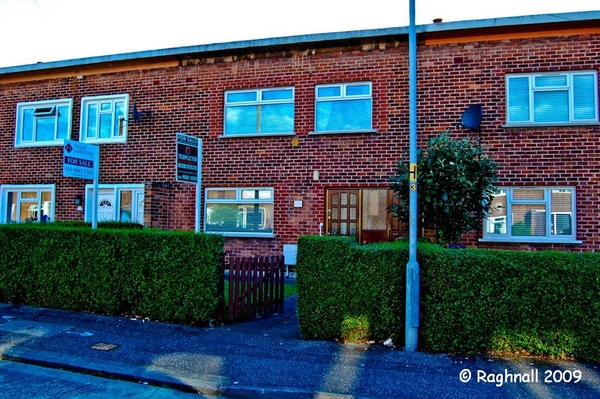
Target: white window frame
(343, 96)
(118, 133)
(39, 188)
(115, 190)
(259, 102)
(569, 87)
(42, 110)
(242, 203)
(505, 234)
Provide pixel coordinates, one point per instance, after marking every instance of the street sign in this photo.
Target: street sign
(80, 160)
(83, 161)
(188, 159)
(188, 167)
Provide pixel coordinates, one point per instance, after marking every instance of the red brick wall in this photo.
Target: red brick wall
(189, 99)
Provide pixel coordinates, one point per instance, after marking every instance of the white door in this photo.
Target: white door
(106, 206)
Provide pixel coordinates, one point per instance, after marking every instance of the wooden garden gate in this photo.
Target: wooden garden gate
(252, 286)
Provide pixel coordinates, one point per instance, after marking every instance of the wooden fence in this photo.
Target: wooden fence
(252, 287)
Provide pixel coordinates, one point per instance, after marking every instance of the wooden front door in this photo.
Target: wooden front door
(361, 213)
(342, 212)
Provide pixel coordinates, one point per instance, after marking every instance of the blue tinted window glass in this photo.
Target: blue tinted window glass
(27, 125)
(277, 95)
(584, 101)
(551, 81)
(120, 115)
(331, 91)
(44, 129)
(343, 115)
(63, 122)
(551, 106)
(241, 97)
(92, 116)
(277, 118)
(518, 99)
(241, 120)
(105, 126)
(358, 90)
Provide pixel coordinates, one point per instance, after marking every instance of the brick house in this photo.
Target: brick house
(301, 134)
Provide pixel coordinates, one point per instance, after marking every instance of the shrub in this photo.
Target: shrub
(473, 301)
(455, 186)
(348, 291)
(170, 276)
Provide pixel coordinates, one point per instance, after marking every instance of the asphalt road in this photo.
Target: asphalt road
(18, 381)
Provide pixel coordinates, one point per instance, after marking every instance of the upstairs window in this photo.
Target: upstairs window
(343, 108)
(43, 122)
(262, 111)
(531, 214)
(103, 119)
(552, 98)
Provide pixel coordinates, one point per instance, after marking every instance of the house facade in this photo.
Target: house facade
(300, 135)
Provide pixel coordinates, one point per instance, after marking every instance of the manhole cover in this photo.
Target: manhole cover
(104, 347)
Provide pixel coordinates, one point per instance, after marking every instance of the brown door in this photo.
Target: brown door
(375, 218)
(361, 213)
(342, 212)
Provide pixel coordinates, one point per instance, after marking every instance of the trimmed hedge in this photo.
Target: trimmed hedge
(511, 302)
(473, 301)
(170, 276)
(350, 292)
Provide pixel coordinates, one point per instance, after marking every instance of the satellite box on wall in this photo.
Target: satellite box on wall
(471, 118)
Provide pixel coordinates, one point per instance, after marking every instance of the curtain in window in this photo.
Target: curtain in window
(584, 104)
(518, 99)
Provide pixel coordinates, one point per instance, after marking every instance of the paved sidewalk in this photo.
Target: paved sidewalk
(266, 358)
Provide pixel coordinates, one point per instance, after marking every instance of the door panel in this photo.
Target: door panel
(375, 218)
(106, 207)
(342, 212)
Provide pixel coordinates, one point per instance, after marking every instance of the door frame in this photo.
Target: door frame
(393, 226)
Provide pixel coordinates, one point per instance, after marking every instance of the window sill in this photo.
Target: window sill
(367, 131)
(120, 140)
(243, 235)
(254, 135)
(41, 144)
(530, 240)
(536, 125)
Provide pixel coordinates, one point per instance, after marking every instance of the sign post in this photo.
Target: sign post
(82, 161)
(189, 167)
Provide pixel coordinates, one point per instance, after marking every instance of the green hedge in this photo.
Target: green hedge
(350, 292)
(170, 276)
(473, 301)
(490, 301)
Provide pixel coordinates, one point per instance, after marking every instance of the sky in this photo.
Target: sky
(34, 31)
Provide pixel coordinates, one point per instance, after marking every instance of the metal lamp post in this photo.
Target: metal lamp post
(412, 267)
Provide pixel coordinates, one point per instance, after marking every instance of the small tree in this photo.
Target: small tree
(455, 186)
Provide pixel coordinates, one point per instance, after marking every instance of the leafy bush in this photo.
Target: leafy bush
(455, 186)
(473, 301)
(169, 276)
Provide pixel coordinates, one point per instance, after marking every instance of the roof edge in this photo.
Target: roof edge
(308, 38)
